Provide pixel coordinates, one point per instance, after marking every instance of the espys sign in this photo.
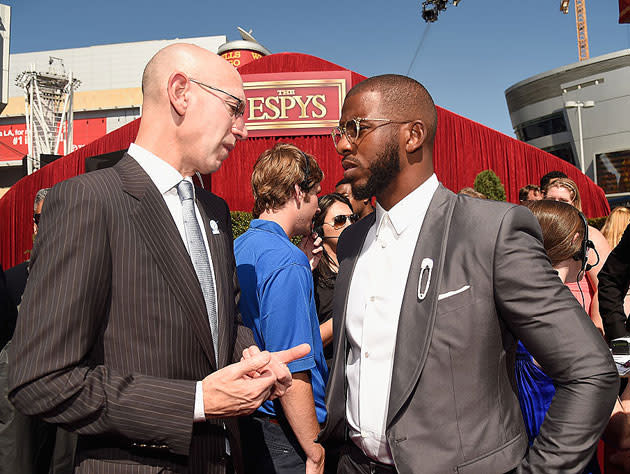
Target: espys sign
(307, 103)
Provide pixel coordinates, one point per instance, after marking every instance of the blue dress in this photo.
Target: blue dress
(535, 392)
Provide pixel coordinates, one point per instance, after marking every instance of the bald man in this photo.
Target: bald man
(432, 293)
(129, 333)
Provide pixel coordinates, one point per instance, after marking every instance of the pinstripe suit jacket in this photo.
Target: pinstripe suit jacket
(113, 330)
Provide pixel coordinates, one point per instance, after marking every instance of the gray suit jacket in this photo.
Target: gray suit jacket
(452, 406)
(113, 332)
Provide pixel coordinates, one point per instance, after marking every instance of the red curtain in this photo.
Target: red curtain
(16, 206)
(624, 11)
(463, 149)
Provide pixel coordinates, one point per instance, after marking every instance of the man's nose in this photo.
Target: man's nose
(239, 129)
(343, 145)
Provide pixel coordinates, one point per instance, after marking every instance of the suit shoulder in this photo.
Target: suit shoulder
(211, 199)
(94, 181)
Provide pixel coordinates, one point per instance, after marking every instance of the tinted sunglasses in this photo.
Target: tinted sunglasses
(36, 218)
(340, 220)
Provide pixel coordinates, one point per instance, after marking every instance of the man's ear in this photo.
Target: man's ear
(298, 194)
(177, 90)
(416, 136)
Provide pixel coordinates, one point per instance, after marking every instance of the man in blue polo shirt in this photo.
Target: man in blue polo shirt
(277, 303)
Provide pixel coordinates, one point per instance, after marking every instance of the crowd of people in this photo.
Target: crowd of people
(413, 330)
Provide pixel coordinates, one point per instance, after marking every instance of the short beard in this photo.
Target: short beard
(383, 171)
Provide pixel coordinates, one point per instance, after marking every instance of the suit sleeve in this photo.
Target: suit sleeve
(614, 280)
(56, 374)
(542, 312)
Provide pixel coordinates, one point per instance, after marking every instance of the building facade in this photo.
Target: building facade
(581, 106)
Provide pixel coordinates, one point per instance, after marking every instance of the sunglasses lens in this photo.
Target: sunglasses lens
(339, 221)
(354, 218)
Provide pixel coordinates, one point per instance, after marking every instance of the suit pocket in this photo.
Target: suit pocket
(457, 298)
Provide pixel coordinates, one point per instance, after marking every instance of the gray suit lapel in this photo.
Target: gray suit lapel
(155, 225)
(417, 316)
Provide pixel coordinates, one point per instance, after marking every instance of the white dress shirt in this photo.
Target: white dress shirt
(374, 302)
(166, 178)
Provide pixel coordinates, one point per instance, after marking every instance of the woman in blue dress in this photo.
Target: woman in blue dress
(564, 233)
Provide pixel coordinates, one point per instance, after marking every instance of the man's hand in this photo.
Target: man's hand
(278, 366)
(312, 246)
(232, 391)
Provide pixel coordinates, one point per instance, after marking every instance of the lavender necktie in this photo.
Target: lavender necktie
(199, 257)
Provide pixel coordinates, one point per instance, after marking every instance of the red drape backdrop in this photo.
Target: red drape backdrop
(463, 149)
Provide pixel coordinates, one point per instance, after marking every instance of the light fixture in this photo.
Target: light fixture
(429, 12)
(576, 104)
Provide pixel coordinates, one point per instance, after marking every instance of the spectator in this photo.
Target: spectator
(335, 214)
(547, 178)
(586, 290)
(529, 192)
(615, 225)
(18, 275)
(564, 232)
(362, 207)
(278, 304)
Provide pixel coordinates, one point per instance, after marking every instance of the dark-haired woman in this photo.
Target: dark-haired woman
(335, 215)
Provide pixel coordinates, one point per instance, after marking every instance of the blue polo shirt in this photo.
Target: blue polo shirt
(277, 302)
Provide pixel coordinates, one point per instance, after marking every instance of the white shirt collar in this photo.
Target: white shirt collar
(163, 175)
(413, 206)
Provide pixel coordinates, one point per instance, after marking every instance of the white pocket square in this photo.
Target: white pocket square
(448, 294)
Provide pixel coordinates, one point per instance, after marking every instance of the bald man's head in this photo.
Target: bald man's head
(402, 98)
(192, 108)
(190, 59)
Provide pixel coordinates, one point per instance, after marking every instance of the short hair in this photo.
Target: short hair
(468, 191)
(559, 223)
(569, 184)
(545, 179)
(523, 193)
(277, 171)
(39, 197)
(402, 98)
(615, 225)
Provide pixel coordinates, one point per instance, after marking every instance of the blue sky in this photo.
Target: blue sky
(469, 57)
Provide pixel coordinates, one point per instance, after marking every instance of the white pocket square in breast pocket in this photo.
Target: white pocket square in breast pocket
(448, 294)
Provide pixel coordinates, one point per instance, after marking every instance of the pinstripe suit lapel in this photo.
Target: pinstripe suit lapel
(221, 277)
(155, 225)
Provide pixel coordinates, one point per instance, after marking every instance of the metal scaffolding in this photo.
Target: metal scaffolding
(48, 110)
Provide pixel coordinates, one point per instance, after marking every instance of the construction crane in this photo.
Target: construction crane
(580, 25)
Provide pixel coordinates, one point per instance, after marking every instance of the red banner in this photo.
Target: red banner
(624, 11)
(305, 103)
(14, 139)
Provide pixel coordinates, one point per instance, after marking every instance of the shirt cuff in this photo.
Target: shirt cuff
(200, 413)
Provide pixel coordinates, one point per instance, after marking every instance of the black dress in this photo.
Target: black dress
(324, 284)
